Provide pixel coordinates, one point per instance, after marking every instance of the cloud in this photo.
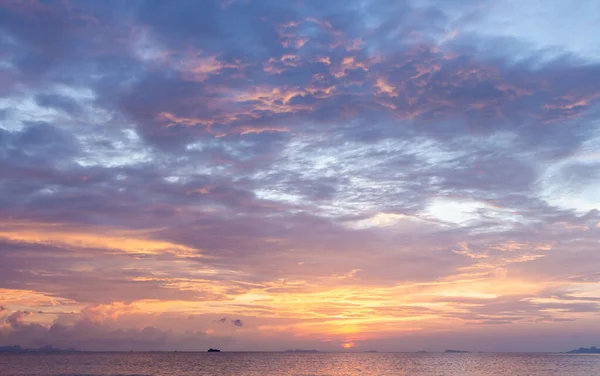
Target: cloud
(17, 319)
(85, 335)
(60, 102)
(237, 322)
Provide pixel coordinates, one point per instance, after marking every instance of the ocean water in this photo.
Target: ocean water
(184, 364)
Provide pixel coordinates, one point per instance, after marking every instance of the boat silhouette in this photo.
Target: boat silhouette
(213, 350)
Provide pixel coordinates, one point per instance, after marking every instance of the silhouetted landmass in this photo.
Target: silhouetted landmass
(301, 351)
(11, 348)
(213, 350)
(44, 349)
(585, 350)
(456, 351)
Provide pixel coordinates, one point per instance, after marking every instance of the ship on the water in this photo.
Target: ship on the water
(213, 350)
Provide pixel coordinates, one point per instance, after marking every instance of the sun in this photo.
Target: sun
(348, 345)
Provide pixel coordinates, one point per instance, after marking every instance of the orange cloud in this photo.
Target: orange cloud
(465, 251)
(278, 65)
(273, 100)
(324, 59)
(100, 313)
(567, 105)
(28, 299)
(355, 45)
(301, 42)
(199, 68)
(512, 246)
(248, 130)
(172, 120)
(108, 240)
(321, 92)
(202, 191)
(348, 63)
(385, 88)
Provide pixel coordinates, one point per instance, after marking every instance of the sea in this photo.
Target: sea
(313, 364)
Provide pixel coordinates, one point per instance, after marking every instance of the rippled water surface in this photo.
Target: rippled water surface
(180, 364)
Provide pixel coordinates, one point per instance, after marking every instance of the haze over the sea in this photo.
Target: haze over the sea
(300, 174)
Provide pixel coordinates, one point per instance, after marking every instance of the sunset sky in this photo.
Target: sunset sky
(271, 174)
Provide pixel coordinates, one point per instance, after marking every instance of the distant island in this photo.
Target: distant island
(585, 350)
(301, 351)
(45, 349)
(457, 351)
(213, 350)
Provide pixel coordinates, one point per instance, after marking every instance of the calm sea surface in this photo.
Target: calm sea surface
(179, 364)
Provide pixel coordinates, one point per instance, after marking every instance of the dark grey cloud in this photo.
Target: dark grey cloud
(237, 322)
(60, 102)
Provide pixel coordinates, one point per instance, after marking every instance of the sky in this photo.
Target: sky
(272, 174)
